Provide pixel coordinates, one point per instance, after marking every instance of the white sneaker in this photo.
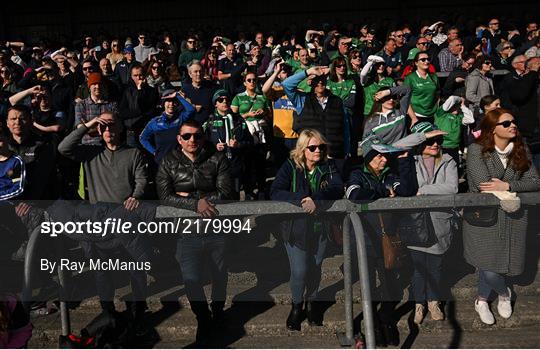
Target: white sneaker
(504, 307)
(419, 313)
(485, 314)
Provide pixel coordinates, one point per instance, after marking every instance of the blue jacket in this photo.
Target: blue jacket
(298, 98)
(12, 176)
(364, 185)
(159, 135)
(291, 185)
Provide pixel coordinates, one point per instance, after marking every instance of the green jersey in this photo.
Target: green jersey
(371, 89)
(451, 123)
(342, 89)
(246, 103)
(423, 94)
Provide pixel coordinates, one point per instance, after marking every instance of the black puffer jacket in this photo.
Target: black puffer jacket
(208, 177)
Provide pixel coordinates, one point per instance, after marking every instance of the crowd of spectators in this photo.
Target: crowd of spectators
(360, 112)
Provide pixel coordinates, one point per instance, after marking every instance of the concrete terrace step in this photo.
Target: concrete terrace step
(262, 321)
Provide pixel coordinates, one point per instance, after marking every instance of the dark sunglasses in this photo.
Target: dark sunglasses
(507, 123)
(425, 59)
(355, 57)
(155, 67)
(487, 62)
(313, 148)
(191, 41)
(439, 140)
(222, 99)
(104, 127)
(187, 136)
(340, 65)
(250, 80)
(87, 68)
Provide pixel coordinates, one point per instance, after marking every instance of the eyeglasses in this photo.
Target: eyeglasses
(506, 48)
(322, 147)
(424, 59)
(487, 63)
(87, 68)
(507, 123)
(250, 80)
(155, 67)
(142, 37)
(222, 99)
(354, 57)
(438, 140)
(114, 45)
(187, 136)
(340, 66)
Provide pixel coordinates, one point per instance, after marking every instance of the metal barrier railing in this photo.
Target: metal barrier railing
(352, 212)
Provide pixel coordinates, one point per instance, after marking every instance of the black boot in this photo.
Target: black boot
(218, 315)
(313, 313)
(204, 322)
(296, 316)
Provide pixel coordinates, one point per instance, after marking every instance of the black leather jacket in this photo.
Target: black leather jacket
(207, 177)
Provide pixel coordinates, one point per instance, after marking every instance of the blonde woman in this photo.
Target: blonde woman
(115, 55)
(308, 180)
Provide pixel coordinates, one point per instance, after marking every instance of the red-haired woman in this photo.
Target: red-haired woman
(498, 161)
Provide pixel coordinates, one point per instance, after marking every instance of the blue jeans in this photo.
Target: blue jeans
(306, 269)
(488, 281)
(426, 279)
(193, 254)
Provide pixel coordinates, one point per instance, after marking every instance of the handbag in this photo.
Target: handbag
(416, 229)
(481, 217)
(393, 252)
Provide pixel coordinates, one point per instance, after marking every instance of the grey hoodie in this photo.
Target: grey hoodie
(444, 181)
(112, 176)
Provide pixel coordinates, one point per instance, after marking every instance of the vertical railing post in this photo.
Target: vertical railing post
(347, 338)
(367, 309)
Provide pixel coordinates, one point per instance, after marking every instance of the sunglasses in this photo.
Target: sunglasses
(191, 41)
(487, 62)
(322, 147)
(423, 59)
(507, 123)
(222, 99)
(439, 140)
(340, 65)
(142, 37)
(187, 136)
(355, 57)
(155, 67)
(250, 80)
(87, 68)
(106, 126)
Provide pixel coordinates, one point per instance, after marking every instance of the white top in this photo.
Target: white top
(503, 154)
